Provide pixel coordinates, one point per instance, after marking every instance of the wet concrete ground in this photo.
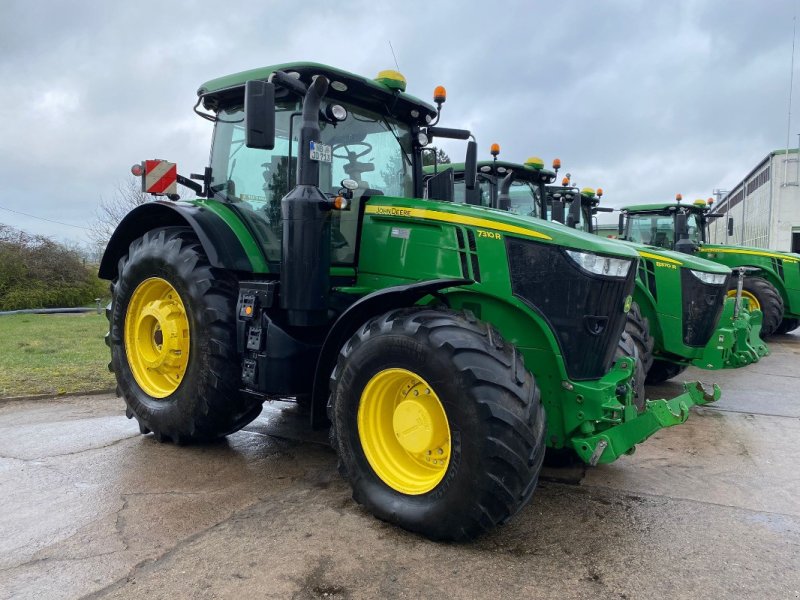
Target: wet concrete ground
(91, 508)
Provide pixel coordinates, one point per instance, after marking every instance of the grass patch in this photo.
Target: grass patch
(53, 354)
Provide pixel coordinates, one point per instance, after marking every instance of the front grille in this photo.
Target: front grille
(777, 266)
(647, 275)
(702, 306)
(586, 312)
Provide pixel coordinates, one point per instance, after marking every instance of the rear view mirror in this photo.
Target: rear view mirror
(621, 226)
(440, 186)
(730, 226)
(681, 226)
(557, 211)
(471, 165)
(259, 114)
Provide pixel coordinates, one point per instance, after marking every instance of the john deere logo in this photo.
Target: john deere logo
(628, 302)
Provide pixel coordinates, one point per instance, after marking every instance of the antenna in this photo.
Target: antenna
(398, 66)
(791, 84)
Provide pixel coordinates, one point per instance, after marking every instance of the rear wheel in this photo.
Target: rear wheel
(764, 297)
(787, 326)
(663, 370)
(173, 340)
(438, 425)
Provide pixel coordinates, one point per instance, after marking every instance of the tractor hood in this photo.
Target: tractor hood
(676, 258)
(501, 221)
(713, 249)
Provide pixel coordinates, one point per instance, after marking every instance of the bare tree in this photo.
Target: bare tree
(111, 211)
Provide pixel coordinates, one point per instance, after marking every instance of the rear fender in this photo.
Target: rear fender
(220, 243)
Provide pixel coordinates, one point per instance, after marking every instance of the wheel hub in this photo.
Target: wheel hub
(754, 303)
(157, 337)
(404, 431)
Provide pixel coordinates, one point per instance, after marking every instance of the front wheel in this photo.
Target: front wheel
(764, 297)
(173, 340)
(437, 423)
(663, 370)
(637, 343)
(787, 326)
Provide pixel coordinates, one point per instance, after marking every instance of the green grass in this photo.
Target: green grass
(53, 354)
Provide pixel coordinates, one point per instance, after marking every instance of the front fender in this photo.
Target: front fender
(371, 305)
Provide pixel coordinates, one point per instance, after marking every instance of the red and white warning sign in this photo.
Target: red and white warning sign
(160, 177)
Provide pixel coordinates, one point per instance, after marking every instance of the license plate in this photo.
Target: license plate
(321, 152)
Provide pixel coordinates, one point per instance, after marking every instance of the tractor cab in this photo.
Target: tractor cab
(362, 150)
(519, 189)
(673, 226)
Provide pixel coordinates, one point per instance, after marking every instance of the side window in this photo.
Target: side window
(368, 148)
(254, 180)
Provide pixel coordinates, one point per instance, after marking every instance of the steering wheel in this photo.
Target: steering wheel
(351, 155)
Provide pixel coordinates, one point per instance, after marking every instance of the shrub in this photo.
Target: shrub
(36, 272)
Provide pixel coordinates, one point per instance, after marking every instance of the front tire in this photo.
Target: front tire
(763, 296)
(787, 326)
(416, 387)
(173, 340)
(663, 370)
(637, 342)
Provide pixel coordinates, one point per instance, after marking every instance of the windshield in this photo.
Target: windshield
(651, 229)
(369, 148)
(525, 198)
(695, 226)
(524, 195)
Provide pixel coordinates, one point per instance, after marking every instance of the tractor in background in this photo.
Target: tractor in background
(679, 316)
(772, 282)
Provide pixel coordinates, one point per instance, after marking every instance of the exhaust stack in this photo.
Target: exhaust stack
(306, 235)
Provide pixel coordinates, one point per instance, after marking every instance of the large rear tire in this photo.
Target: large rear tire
(437, 423)
(763, 296)
(173, 340)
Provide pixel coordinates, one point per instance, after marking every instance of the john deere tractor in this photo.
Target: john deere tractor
(679, 316)
(442, 344)
(772, 284)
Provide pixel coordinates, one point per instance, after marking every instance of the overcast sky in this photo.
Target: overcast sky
(642, 98)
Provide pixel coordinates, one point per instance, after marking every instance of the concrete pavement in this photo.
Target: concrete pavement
(92, 508)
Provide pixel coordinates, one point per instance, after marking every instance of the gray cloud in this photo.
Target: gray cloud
(644, 99)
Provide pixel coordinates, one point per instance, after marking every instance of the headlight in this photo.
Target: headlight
(600, 265)
(709, 278)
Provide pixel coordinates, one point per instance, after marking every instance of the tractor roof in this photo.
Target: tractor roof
(518, 168)
(379, 92)
(662, 206)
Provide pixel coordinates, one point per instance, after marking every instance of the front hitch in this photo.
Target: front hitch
(609, 444)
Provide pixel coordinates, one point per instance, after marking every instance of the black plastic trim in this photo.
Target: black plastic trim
(349, 321)
(219, 242)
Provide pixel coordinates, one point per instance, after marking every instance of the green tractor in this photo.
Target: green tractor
(445, 346)
(680, 315)
(772, 283)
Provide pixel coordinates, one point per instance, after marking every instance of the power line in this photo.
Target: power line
(43, 219)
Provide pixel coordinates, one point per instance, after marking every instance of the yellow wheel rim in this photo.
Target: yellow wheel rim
(157, 337)
(403, 430)
(754, 303)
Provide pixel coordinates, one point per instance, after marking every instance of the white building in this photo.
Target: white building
(765, 206)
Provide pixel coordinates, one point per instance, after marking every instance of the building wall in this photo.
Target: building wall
(765, 211)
